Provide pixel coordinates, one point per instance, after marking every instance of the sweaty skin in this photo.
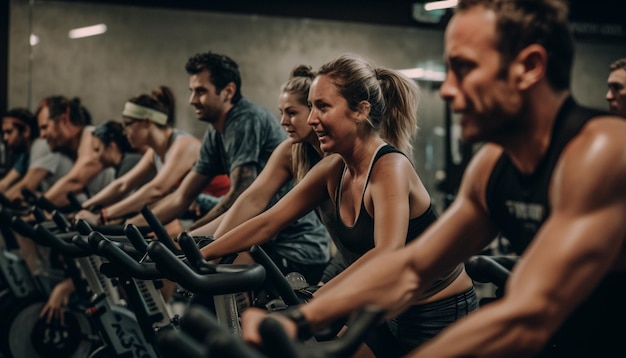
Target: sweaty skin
(561, 267)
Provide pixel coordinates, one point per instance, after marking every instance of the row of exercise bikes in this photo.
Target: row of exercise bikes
(117, 309)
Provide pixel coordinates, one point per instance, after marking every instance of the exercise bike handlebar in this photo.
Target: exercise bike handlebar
(228, 278)
(200, 326)
(5, 203)
(24, 229)
(75, 204)
(55, 242)
(360, 325)
(136, 238)
(277, 278)
(276, 343)
(61, 221)
(485, 269)
(157, 227)
(189, 247)
(173, 344)
(124, 262)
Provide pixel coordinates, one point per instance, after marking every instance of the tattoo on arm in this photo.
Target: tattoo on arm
(240, 179)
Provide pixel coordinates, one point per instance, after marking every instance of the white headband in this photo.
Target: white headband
(136, 111)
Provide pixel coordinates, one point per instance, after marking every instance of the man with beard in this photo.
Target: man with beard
(36, 167)
(66, 125)
(239, 141)
(550, 178)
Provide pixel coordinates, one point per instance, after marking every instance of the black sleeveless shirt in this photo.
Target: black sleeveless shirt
(359, 238)
(518, 204)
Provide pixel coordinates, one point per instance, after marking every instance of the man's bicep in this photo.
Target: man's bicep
(582, 239)
(566, 261)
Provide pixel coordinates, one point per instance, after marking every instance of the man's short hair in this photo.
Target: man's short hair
(621, 63)
(223, 69)
(523, 23)
(26, 119)
(58, 105)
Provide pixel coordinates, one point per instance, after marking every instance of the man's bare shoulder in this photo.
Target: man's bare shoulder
(605, 124)
(601, 138)
(593, 164)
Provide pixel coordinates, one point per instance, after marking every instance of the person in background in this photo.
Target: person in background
(290, 161)
(114, 151)
(66, 125)
(239, 142)
(616, 95)
(36, 168)
(169, 152)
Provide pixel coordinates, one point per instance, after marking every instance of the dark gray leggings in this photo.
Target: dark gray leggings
(398, 336)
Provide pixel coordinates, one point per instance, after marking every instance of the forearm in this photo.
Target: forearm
(387, 281)
(110, 194)
(167, 209)
(340, 278)
(5, 184)
(67, 286)
(134, 202)
(240, 179)
(11, 177)
(242, 210)
(57, 194)
(488, 332)
(254, 232)
(208, 229)
(31, 180)
(14, 193)
(220, 208)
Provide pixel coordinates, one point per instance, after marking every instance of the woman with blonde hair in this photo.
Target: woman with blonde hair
(369, 193)
(306, 251)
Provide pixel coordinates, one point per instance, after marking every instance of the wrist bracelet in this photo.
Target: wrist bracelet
(303, 327)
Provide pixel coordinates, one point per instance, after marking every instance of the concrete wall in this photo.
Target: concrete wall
(146, 47)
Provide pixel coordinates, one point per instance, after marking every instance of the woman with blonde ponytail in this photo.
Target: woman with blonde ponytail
(371, 198)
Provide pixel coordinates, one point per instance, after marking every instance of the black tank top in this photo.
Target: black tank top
(518, 205)
(356, 240)
(359, 238)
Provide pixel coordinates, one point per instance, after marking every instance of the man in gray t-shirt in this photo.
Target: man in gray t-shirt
(36, 168)
(55, 164)
(66, 125)
(240, 139)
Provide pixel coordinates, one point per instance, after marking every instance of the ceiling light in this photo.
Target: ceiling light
(34, 39)
(439, 5)
(87, 31)
(419, 73)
